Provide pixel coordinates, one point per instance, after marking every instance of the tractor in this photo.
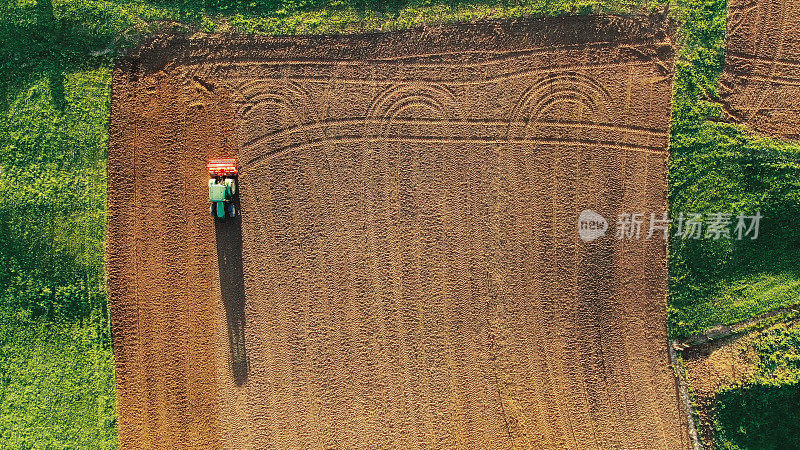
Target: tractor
(222, 187)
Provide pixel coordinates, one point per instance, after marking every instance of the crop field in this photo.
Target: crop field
(761, 82)
(412, 271)
(56, 61)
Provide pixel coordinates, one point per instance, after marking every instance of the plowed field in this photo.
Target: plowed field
(761, 82)
(407, 269)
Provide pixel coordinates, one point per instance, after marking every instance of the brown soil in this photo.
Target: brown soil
(761, 83)
(410, 272)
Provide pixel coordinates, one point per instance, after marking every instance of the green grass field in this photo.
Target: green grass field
(55, 63)
(56, 387)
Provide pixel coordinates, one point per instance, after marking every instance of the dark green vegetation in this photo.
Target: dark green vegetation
(55, 63)
(762, 413)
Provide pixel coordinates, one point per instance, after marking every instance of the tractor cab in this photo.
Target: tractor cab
(222, 187)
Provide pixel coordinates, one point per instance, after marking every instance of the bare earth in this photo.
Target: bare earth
(407, 270)
(761, 82)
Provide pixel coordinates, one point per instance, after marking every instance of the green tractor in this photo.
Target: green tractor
(222, 187)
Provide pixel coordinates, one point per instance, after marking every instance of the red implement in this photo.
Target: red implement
(222, 167)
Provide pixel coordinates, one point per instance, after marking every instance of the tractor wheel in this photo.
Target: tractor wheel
(232, 210)
(231, 183)
(211, 210)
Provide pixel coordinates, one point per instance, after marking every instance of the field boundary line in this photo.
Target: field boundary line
(720, 331)
(684, 394)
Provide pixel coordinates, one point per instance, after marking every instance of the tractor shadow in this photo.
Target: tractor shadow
(231, 280)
